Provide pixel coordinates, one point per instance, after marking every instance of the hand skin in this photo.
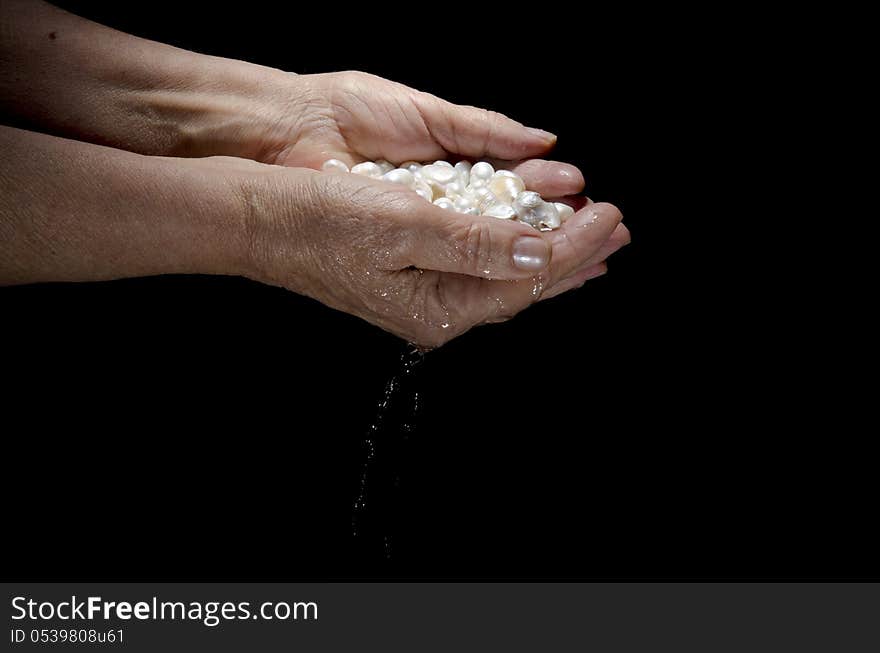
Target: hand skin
(342, 239)
(72, 211)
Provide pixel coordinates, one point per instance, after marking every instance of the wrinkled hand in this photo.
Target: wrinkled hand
(355, 116)
(378, 250)
(426, 274)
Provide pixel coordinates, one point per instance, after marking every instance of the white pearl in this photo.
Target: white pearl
(368, 169)
(483, 196)
(386, 166)
(469, 189)
(454, 187)
(412, 166)
(462, 204)
(473, 188)
(423, 189)
(526, 206)
(399, 176)
(506, 187)
(334, 165)
(528, 199)
(506, 173)
(549, 217)
(439, 174)
(481, 173)
(565, 211)
(464, 172)
(499, 210)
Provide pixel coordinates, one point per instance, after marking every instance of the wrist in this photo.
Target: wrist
(211, 106)
(213, 215)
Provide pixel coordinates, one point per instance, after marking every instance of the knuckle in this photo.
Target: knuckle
(493, 120)
(473, 242)
(353, 76)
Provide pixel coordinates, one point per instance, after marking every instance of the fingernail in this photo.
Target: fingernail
(531, 253)
(543, 135)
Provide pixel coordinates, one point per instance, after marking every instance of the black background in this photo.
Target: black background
(663, 421)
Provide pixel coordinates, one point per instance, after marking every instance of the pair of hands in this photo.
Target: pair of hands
(379, 251)
(243, 194)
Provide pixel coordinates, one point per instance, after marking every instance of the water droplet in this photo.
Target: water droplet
(538, 286)
(395, 419)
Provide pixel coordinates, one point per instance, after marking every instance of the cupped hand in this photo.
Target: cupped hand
(426, 274)
(378, 250)
(355, 116)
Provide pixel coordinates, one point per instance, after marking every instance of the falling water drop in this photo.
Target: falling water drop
(373, 513)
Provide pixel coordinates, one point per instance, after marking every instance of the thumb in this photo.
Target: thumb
(474, 132)
(478, 246)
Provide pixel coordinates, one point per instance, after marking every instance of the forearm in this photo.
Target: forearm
(74, 78)
(71, 211)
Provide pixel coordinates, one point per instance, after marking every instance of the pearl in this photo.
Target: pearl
(464, 172)
(526, 206)
(424, 191)
(506, 187)
(438, 174)
(476, 189)
(499, 210)
(367, 169)
(549, 217)
(483, 196)
(462, 204)
(399, 176)
(565, 211)
(412, 166)
(454, 187)
(481, 173)
(527, 199)
(386, 166)
(334, 165)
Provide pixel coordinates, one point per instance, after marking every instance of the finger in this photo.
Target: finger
(576, 242)
(473, 132)
(619, 238)
(478, 246)
(576, 280)
(581, 237)
(549, 178)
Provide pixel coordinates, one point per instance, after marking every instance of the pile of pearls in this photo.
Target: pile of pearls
(476, 189)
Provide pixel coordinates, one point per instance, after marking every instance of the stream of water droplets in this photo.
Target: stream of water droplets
(374, 510)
